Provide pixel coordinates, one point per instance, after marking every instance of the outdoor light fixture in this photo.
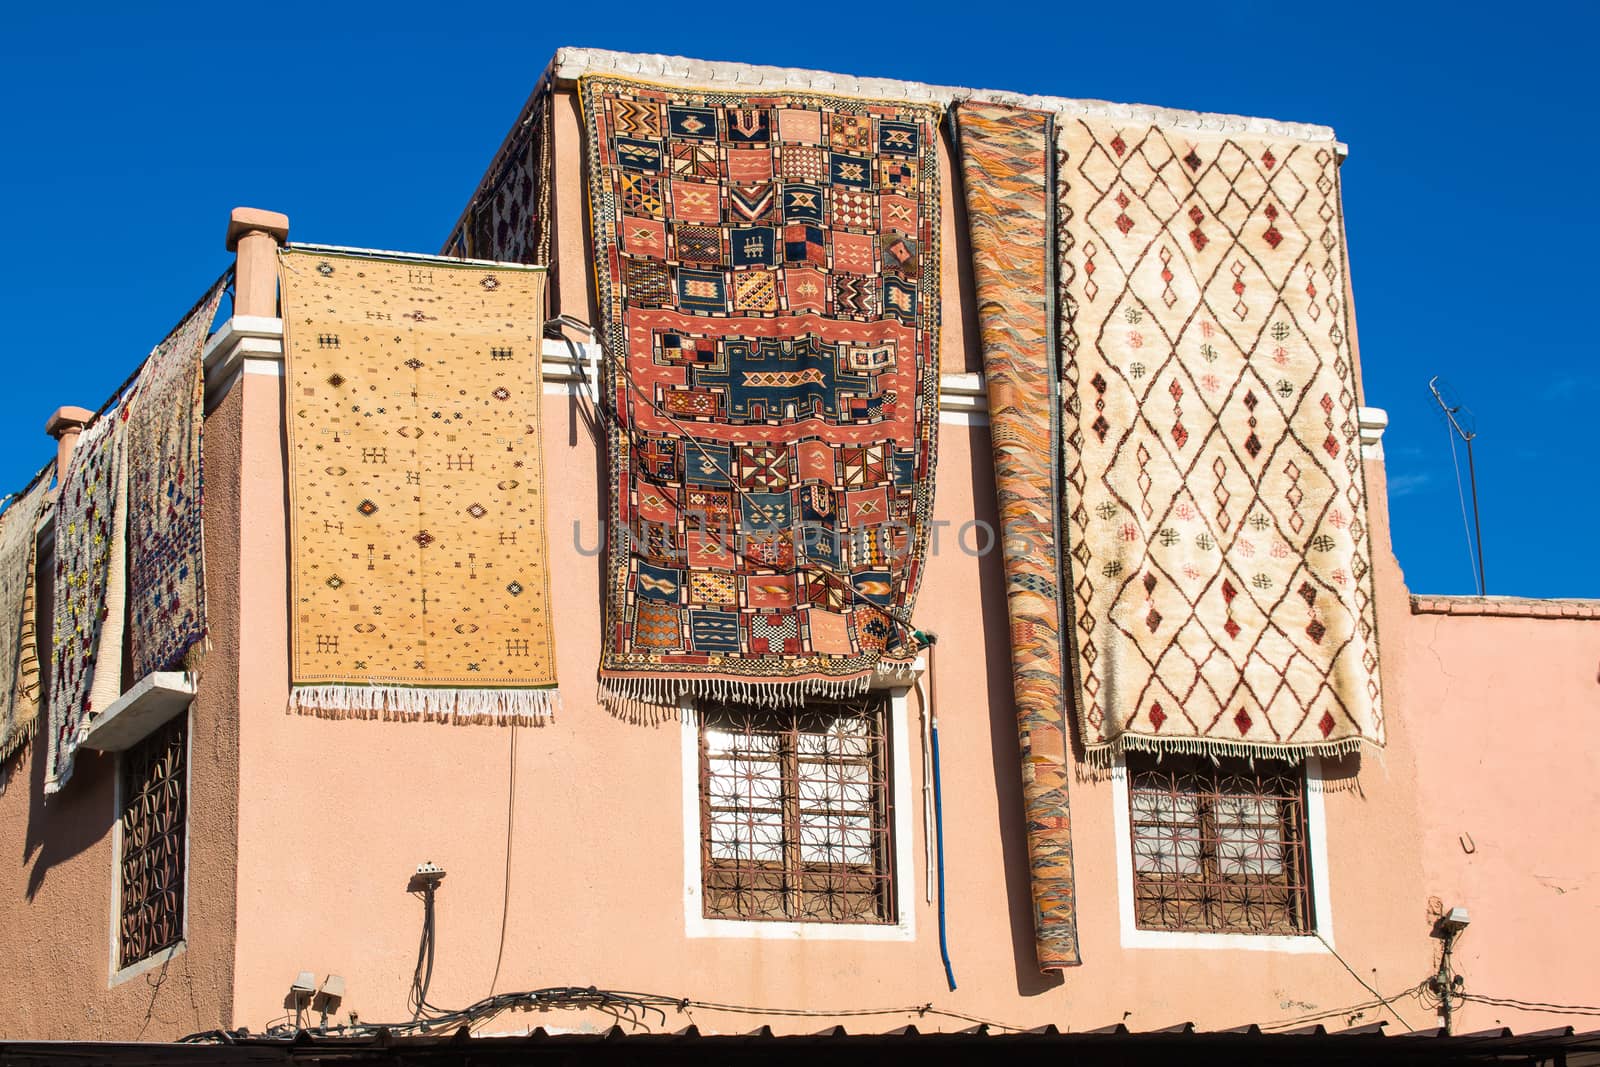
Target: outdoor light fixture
(301, 991)
(1451, 923)
(427, 877)
(1445, 982)
(328, 997)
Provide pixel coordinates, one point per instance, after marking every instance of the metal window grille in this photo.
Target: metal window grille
(1220, 847)
(154, 816)
(795, 813)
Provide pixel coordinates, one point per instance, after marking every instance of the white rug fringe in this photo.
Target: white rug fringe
(525, 707)
(1099, 759)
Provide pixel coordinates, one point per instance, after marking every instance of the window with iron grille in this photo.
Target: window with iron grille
(795, 813)
(1219, 848)
(154, 815)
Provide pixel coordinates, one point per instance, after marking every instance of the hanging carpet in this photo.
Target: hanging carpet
(768, 276)
(419, 565)
(1006, 162)
(509, 217)
(166, 534)
(1218, 523)
(19, 651)
(90, 589)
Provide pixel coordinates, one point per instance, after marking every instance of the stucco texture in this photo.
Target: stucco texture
(57, 861)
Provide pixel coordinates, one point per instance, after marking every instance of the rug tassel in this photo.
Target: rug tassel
(1100, 759)
(650, 701)
(525, 707)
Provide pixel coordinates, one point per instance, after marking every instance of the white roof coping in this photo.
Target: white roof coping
(572, 63)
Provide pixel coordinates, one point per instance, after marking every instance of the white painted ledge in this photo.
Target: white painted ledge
(241, 341)
(572, 63)
(154, 701)
(254, 345)
(1373, 422)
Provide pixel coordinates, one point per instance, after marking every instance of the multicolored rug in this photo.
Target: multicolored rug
(768, 273)
(1007, 156)
(509, 218)
(166, 536)
(19, 652)
(419, 567)
(90, 589)
(1218, 515)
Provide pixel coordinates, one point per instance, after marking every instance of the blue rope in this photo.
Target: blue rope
(938, 829)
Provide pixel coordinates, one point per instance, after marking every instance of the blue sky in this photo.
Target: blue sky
(131, 130)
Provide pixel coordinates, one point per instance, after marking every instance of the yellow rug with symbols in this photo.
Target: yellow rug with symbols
(419, 562)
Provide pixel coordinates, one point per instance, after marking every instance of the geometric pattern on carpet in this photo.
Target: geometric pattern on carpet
(1220, 556)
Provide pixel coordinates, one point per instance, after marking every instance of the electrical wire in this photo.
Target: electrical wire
(418, 982)
(938, 812)
(623, 1006)
(843, 1013)
(1530, 1005)
(422, 977)
(1466, 527)
(637, 1009)
(1364, 985)
(1451, 429)
(511, 822)
(1417, 991)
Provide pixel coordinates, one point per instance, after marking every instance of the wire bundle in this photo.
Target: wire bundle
(635, 1009)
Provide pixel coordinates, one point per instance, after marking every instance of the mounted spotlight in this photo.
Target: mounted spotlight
(303, 988)
(1451, 923)
(328, 998)
(427, 877)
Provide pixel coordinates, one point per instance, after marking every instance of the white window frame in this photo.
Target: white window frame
(161, 957)
(904, 928)
(1317, 855)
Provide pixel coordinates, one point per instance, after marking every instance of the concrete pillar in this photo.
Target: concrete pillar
(255, 236)
(65, 425)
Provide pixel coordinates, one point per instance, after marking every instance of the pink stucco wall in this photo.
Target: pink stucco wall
(1510, 794)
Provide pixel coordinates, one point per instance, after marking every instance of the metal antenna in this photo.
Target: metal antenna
(1464, 424)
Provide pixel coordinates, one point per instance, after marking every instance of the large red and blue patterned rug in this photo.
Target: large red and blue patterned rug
(768, 275)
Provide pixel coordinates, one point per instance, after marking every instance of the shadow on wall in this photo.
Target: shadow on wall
(1004, 746)
(78, 817)
(1005, 753)
(1342, 774)
(73, 820)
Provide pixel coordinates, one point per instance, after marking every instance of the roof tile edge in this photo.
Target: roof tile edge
(572, 63)
(1506, 607)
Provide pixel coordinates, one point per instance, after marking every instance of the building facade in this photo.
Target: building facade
(584, 852)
